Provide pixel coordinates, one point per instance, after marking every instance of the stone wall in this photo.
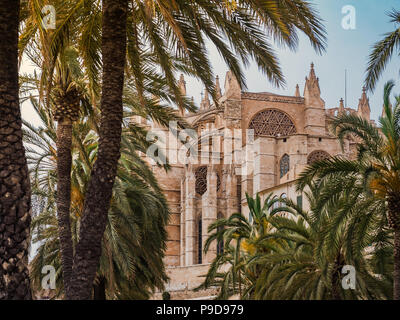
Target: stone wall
(183, 280)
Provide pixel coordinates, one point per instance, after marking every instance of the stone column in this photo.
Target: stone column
(247, 173)
(264, 164)
(183, 231)
(231, 193)
(209, 213)
(190, 218)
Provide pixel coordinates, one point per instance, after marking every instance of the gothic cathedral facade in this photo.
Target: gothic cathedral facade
(289, 132)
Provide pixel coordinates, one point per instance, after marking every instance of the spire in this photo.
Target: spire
(364, 109)
(205, 102)
(232, 87)
(312, 71)
(217, 88)
(297, 93)
(341, 106)
(182, 85)
(314, 112)
(312, 84)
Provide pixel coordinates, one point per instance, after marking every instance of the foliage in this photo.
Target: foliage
(352, 219)
(163, 38)
(134, 241)
(232, 271)
(172, 36)
(382, 52)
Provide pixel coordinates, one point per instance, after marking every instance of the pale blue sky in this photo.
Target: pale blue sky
(347, 49)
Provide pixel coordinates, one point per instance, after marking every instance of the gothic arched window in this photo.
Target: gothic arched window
(272, 122)
(239, 194)
(317, 155)
(218, 182)
(201, 180)
(284, 164)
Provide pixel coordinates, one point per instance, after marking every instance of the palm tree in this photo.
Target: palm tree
(316, 247)
(289, 253)
(382, 52)
(361, 222)
(53, 54)
(376, 166)
(65, 93)
(227, 274)
(67, 107)
(134, 242)
(84, 137)
(169, 30)
(240, 236)
(15, 199)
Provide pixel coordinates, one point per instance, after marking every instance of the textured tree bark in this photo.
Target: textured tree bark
(99, 290)
(104, 171)
(396, 271)
(64, 163)
(15, 199)
(393, 215)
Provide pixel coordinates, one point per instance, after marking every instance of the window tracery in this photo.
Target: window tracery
(272, 122)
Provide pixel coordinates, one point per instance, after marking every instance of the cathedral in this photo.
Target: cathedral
(286, 133)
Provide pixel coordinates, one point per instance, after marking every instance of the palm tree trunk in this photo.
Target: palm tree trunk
(15, 198)
(393, 216)
(64, 163)
(104, 171)
(99, 289)
(396, 271)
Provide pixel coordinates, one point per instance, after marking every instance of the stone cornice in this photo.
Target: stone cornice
(271, 97)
